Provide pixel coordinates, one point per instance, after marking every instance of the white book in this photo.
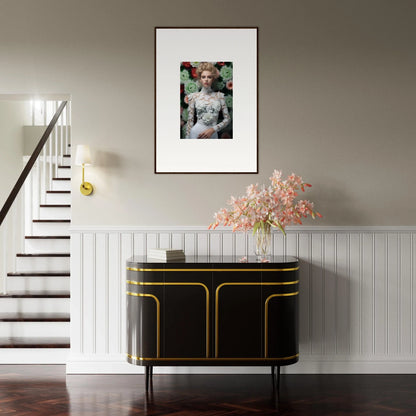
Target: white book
(166, 256)
(164, 251)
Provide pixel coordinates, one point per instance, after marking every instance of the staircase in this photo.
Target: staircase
(34, 310)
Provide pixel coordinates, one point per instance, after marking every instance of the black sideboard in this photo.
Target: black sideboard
(212, 311)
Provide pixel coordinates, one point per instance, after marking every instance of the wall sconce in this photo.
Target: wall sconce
(83, 158)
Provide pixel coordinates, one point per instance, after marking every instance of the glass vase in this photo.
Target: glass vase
(263, 243)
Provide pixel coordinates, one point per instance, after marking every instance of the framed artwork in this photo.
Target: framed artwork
(206, 94)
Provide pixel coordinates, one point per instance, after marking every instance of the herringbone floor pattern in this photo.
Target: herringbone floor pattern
(46, 391)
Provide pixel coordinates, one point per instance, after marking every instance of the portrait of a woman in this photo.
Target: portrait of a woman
(207, 114)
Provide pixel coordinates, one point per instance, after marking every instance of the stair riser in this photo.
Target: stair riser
(34, 305)
(42, 264)
(50, 213)
(64, 173)
(37, 283)
(61, 185)
(34, 329)
(66, 161)
(58, 198)
(45, 228)
(47, 246)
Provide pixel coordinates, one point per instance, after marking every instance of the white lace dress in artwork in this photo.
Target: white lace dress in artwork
(207, 105)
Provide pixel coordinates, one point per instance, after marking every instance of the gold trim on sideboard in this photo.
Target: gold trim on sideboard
(216, 306)
(133, 282)
(245, 284)
(211, 359)
(157, 316)
(292, 269)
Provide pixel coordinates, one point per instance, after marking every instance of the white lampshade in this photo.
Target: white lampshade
(83, 155)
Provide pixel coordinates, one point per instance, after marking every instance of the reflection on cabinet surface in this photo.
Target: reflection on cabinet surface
(212, 311)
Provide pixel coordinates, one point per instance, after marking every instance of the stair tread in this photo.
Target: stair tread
(36, 294)
(64, 167)
(34, 317)
(43, 255)
(62, 220)
(61, 179)
(66, 155)
(63, 273)
(47, 237)
(47, 342)
(55, 205)
(58, 192)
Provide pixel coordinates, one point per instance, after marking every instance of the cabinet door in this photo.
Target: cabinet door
(186, 313)
(237, 313)
(144, 308)
(280, 302)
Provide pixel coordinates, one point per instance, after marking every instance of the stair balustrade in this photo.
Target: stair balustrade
(23, 206)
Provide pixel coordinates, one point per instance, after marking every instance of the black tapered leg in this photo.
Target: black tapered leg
(148, 367)
(278, 378)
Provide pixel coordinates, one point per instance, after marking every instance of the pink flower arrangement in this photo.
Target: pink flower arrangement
(265, 207)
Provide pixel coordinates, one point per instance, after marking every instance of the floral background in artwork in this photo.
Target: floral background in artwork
(189, 83)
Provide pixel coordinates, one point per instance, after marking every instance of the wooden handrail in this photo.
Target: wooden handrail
(29, 165)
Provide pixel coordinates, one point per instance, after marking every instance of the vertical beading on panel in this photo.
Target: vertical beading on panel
(323, 293)
(399, 287)
(406, 294)
(310, 292)
(126, 252)
(119, 293)
(336, 277)
(412, 291)
(367, 294)
(94, 292)
(386, 282)
(342, 302)
(81, 291)
(373, 246)
(350, 286)
(107, 297)
(114, 265)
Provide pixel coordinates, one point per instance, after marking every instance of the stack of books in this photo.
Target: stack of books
(165, 254)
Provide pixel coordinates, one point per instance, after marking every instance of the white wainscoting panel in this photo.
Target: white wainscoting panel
(357, 294)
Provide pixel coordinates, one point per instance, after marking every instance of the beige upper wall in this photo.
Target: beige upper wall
(336, 101)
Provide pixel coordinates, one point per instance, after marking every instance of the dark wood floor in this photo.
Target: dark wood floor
(46, 390)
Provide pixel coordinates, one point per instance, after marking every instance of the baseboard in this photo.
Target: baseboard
(34, 355)
(116, 364)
